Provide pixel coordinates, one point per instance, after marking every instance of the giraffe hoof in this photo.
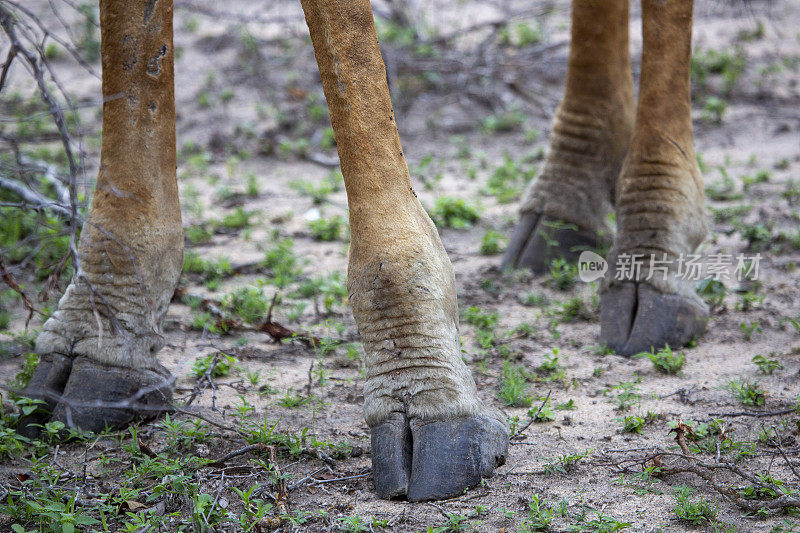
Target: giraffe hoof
(636, 318)
(46, 385)
(87, 395)
(537, 240)
(435, 460)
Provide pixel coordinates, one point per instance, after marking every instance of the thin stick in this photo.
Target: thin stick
(519, 433)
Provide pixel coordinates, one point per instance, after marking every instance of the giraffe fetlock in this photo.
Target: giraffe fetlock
(648, 299)
(98, 350)
(420, 400)
(567, 209)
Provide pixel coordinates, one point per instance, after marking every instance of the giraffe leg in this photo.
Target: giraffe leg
(660, 197)
(431, 435)
(98, 350)
(566, 209)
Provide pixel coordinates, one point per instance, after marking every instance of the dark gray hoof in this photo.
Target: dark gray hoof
(46, 384)
(99, 397)
(435, 460)
(538, 240)
(391, 457)
(90, 396)
(636, 318)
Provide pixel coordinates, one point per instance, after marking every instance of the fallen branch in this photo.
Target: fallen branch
(518, 434)
(275, 330)
(756, 415)
(668, 463)
(236, 453)
(11, 281)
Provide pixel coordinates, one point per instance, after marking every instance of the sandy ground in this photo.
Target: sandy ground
(759, 131)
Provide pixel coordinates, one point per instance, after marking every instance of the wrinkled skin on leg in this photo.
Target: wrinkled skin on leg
(431, 435)
(99, 348)
(566, 209)
(660, 196)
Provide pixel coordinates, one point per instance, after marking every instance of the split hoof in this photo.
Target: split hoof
(637, 318)
(435, 460)
(91, 396)
(538, 240)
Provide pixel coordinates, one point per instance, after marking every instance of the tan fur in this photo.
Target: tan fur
(660, 197)
(131, 248)
(593, 122)
(602, 157)
(401, 283)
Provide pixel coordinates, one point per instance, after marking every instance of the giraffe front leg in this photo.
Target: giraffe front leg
(98, 350)
(432, 437)
(660, 210)
(566, 210)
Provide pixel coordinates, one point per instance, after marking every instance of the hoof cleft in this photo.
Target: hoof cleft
(438, 459)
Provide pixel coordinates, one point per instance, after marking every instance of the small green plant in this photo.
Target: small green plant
(207, 508)
(712, 291)
(758, 236)
(543, 413)
(205, 321)
(694, 511)
(724, 190)
(332, 288)
(563, 274)
(762, 176)
(249, 303)
(513, 386)
(533, 299)
(253, 376)
(254, 508)
(28, 368)
(480, 318)
(551, 369)
(239, 219)
(503, 122)
(509, 179)
(455, 213)
(353, 524)
(492, 242)
(730, 214)
(748, 330)
(520, 34)
(540, 516)
(292, 401)
(714, 110)
(729, 65)
(198, 234)
(211, 269)
(319, 192)
(283, 263)
(748, 392)
(573, 309)
(791, 192)
(222, 363)
(564, 463)
(749, 300)
(63, 517)
(633, 424)
(766, 366)
(328, 229)
(665, 360)
(569, 405)
(628, 395)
